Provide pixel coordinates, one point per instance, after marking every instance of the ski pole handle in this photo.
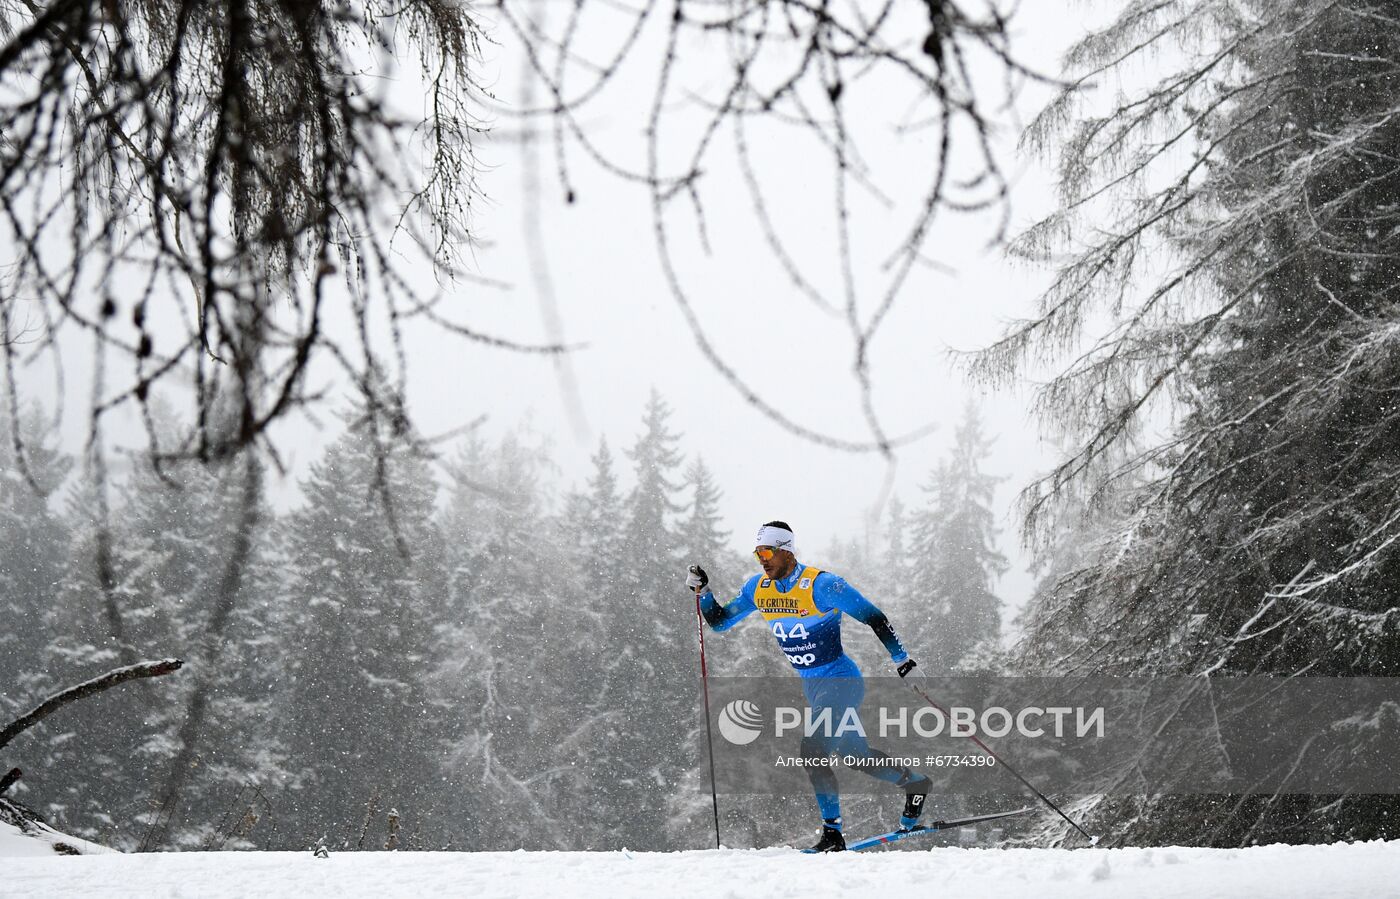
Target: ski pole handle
(698, 580)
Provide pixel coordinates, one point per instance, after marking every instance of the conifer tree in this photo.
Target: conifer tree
(98, 779)
(175, 536)
(702, 539)
(33, 546)
(651, 507)
(363, 591)
(649, 661)
(955, 560)
(518, 648)
(891, 581)
(1236, 216)
(705, 542)
(600, 528)
(219, 741)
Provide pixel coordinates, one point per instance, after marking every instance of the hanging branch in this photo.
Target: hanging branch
(222, 193)
(809, 73)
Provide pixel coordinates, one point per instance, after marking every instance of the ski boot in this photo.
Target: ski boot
(831, 840)
(914, 795)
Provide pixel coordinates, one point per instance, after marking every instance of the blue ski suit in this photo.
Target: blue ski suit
(803, 612)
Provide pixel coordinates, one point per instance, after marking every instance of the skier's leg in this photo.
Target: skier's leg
(819, 745)
(823, 780)
(845, 695)
(916, 786)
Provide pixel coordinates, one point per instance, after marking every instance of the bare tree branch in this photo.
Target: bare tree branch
(85, 689)
(808, 74)
(184, 181)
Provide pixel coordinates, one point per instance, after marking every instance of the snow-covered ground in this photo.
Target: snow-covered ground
(1356, 870)
(41, 841)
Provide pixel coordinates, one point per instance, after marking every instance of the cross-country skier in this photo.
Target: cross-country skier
(803, 608)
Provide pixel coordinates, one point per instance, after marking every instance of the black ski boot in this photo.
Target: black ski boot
(914, 796)
(831, 840)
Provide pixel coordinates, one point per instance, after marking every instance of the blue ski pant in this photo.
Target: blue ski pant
(832, 695)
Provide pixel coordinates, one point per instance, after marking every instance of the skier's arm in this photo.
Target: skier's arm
(722, 618)
(834, 592)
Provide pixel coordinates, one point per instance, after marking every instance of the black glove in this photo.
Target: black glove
(697, 580)
(906, 666)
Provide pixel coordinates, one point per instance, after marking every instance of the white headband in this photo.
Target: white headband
(778, 538)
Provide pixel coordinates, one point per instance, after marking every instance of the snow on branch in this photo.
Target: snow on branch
(86, 689)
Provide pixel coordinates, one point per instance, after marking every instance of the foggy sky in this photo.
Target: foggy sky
(612, 298)
(632, 338)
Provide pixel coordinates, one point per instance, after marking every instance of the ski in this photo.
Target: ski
(895, 836)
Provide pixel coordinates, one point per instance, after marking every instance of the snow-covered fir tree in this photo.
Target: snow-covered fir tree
(594, 521)
(701, 538)
(1241, 410)
(892, 575)
(649, 657)
(158, 763)
(33, 547)
(954, 560)
(516, 646)
(363, 590)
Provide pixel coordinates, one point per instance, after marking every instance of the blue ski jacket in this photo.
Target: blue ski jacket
(811, 636)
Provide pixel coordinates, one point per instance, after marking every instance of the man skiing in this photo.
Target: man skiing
(803, 608)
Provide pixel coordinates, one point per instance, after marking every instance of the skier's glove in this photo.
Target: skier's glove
(906, 666)
(697, 580)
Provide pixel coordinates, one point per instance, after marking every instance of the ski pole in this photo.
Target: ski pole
(1093, 841)
(709, 737)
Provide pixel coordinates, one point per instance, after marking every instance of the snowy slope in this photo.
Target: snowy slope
(1308, 872)
(39, 842)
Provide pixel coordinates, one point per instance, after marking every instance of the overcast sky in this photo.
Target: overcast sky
(611, 298)
(612, 302)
